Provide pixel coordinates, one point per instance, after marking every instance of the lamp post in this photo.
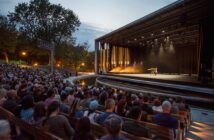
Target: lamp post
(49, 46)
(23, 54)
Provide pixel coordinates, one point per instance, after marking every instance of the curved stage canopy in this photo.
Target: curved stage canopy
(175, 39)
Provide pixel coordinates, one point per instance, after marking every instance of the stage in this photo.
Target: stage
(181, 78)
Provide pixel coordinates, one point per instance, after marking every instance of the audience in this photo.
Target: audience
(157, 106)
(26, 113)
(165, 119)
(57, 124)
(113, 125)
(10, 103)
(52, 96)
(4, 130)
(64, 106)
(91, 114)
(135, 127)
(83, 130)
(121, 106)
(109, 106)
(39, 114)
(2, 96)
(76, 110)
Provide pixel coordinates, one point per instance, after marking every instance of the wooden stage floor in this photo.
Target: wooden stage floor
(166, 77)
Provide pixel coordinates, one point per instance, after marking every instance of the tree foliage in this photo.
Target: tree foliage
(8, 37)
(42, 20)
(72, 56)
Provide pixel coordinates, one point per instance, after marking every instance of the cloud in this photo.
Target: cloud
(88, 32)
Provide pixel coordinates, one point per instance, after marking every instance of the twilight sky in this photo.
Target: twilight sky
(99, 17)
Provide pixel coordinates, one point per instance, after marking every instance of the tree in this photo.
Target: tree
(8, 37)
(41, 20)
(89, 62)
(72, 56)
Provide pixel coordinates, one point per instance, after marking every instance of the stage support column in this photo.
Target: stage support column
(109, 58)
(96, 57)
(206, 51)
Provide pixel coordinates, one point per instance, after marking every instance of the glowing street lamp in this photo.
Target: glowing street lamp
(82, 64)
(58, 65)
(24, 53)
(35, 64)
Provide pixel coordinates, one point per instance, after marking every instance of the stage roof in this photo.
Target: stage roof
(178, 21)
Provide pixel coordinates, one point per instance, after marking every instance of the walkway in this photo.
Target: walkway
(202, 127)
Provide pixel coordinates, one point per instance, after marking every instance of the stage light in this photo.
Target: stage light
(135, 39)
(163, 31)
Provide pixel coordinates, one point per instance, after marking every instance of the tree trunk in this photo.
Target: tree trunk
(6, 57)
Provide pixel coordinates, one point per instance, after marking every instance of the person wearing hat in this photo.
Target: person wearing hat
(113, 125)
(91, 114)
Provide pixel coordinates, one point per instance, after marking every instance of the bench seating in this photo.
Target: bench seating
(98, 130)
(32, 131)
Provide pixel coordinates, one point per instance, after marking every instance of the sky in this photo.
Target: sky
(99, 17)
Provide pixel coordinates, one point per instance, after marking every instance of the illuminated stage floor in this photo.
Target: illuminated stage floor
(168, 77)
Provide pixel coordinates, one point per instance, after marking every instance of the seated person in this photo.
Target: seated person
(3, 93)
(91, 114)
(76, 109)
(64, 106)
(113, 125)
(39, 114)
(10, 103)
(180, 104)
(109, 106)
(157, 107)
(26, 113)
(147, 109)
(165, 119)
(57, 124)
(134, 127)
(4, 130)
(83, 130)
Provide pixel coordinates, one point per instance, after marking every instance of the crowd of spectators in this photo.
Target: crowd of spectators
(39, 98)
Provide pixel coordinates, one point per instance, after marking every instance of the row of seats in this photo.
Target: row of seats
(98, 130)
(23, 127)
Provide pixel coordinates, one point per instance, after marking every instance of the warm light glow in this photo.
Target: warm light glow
(189, 139)
(129, 69)
(82, 64)
(82, 83)
(35, 64)
(24, 53)
(58, 65)
(198, 134)
(197, 128)
(198, 123)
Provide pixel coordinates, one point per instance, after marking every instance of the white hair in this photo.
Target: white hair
(166, 105)
(4, 127)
